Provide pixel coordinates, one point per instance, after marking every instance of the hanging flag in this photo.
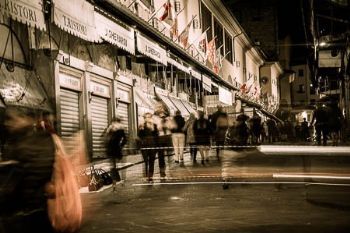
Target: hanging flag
(183, 37)
(218, 60)
(167, 16)
(203, 44)
(249, 88)
(211, 49)
(243, 88)
(174, 32)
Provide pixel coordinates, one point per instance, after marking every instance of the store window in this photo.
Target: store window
(301, 88)
(228, 47)
(206, 21)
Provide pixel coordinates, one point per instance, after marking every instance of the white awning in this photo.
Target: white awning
(151, 49)
(225, 96)
(76, 17)
(188, 106)
(178, 65)
(29, 12)
(177, 102)
(206, 83)
(196, 74)
(110, 31)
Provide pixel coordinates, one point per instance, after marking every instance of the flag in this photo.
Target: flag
(211, 49)
(243, 88)
(218, 60)
(183, 37)
(167, 16)
(203, 44)
(174, 32)
(249, 88)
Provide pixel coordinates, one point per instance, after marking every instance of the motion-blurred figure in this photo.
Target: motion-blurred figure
(35, 153)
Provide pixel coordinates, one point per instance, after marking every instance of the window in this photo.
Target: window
(228, 47)
(301, 73)
(206, 21)
(301, 88)
(218, 32)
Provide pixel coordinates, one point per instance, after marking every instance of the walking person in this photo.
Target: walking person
(148, 134)
(116, 140)
(305, 130)
(219, 125)
(335, 120)
(178, 136)
(164, 142)
(190, 137)
(201, 129)
(34, 154)
(321, 126)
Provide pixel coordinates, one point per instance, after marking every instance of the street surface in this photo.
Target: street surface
(272, 192)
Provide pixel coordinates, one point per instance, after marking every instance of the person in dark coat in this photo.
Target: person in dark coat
(148, 134)
(219, 125)
(178, 137)
(320, 115)
(305, 130)
(34, 152)
(201, 129)
(335, 119)
(115, 143)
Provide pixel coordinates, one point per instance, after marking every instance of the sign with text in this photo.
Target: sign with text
(151, 49)
(70, 82)
(99, 89)
(29, 12)
(110, 31)
(75, 17)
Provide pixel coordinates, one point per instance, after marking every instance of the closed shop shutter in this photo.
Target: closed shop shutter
(123, 112)
(70, 122)
(99, 120)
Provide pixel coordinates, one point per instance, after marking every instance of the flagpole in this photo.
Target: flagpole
(225, 55)
(185, 27)
(154, 14)
(199, 36)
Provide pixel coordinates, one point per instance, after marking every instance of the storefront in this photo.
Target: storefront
(163, 95)
(69, 103)
(100, 113)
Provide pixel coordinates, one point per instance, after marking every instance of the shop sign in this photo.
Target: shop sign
(70, 82)
(29, 12)
(123, 95)
(115, 34)
(206, 80)
(178, 65)
(99, 89)
(75, 17)
(151, 49)
(206, 87)
(196, 74)
(225, 96)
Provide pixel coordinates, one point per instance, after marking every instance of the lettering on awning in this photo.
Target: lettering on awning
(115, 34)
(29, 12)
(151, 49)
(76, 17)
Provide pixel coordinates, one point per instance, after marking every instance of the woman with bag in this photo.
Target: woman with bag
(115, 143)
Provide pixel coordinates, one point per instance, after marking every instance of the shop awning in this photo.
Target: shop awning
(179, 105)
(196, 74)
(75, 17)
(270, 115)
(188, 106)
(110, 31)
(22, 88)
(143, 102)
(206, 83)
(151, 49)
(178, 65)
(163, 96)
(29, 12)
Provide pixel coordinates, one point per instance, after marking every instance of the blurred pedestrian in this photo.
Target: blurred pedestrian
(116, 140)
(202, 130)
(335, 120)
(256, 128)
(305, 134)
(148, 134)
(34, 151)
(178, 136)
(219, 125)
(190, 137)
(165, 142)
(320, 121)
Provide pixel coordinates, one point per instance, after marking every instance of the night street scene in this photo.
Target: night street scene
(174, 116)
